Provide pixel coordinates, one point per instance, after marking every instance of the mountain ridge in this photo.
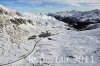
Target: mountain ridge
(78, 19)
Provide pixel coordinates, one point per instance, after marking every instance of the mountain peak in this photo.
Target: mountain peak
(8, 11)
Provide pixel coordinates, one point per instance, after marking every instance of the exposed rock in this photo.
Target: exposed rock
(18, 21)
(32, 37)
(47, 34)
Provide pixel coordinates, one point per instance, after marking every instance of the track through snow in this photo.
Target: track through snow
(23, 57)
(70, 44)
(17, 42)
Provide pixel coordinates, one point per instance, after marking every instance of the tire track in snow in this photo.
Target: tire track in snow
(25, 56)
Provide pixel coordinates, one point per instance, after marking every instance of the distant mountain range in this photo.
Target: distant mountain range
(78, 19)
(81, 15)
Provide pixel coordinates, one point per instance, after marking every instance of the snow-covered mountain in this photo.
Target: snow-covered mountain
(81, 15)
(40, 40)
(78, 19)
(17, 29)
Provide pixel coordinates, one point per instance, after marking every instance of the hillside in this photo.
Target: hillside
(31, 39)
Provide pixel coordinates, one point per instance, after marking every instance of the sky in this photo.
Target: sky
(50, 6)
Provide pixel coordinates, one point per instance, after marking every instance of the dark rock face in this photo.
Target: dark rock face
(73, 22)
(18, 21)
(3, 11)
(19, 14)
(77, 23)
(32, 37)
(45, 35)
(78, 19)
(49, 38)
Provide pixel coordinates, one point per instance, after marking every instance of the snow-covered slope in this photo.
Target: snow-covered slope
(41, 40)
(16, 30)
